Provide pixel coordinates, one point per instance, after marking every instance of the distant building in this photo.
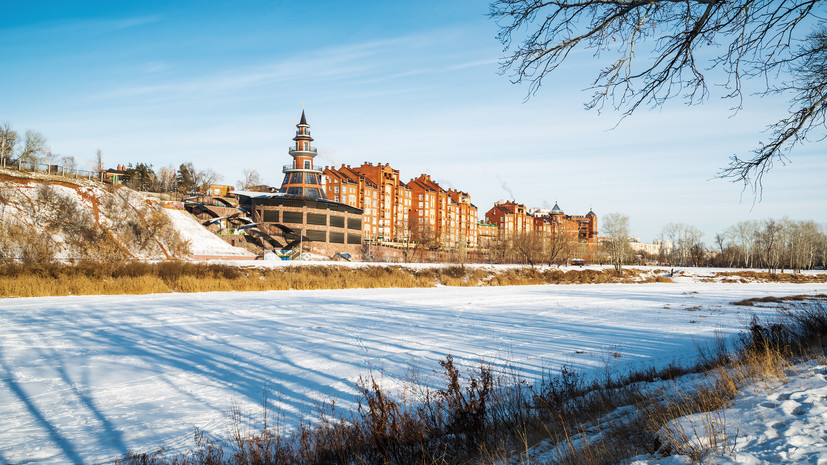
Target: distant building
(219, 190)
(114, 175)
(654, 249)
(513, 219)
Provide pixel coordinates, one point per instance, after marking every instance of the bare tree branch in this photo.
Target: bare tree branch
(761, 39)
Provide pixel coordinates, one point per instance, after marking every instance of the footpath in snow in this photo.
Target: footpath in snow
(84, 379)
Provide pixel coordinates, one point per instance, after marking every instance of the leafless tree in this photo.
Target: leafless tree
(166, 179)
(251, 178)
(418, 240)
(802, 239)
(68, 162)
(768, 40)
(770, 244)
(8, 139)
(684, 238)
(34, 147)
(560, 246)
(206, 177)
(616, 228)
(528, 246)
(100, 167)
(821, 247)
(743, 237)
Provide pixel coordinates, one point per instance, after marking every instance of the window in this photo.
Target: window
(336, 198)
(307, 164)
(311, 178)
(336, 190)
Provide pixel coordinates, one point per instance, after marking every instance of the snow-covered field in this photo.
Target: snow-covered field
(84, 379)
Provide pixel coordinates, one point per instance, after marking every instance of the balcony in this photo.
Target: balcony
(298, 133)
(288, 168)
(312, 150)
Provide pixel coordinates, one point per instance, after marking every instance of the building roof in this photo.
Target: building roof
(255, 195)
(303, 120)
(556, 210)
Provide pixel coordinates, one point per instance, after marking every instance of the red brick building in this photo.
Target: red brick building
(513, 219)
(446, 216)
(350, 187)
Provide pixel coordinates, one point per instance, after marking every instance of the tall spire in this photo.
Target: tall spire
(300, 177)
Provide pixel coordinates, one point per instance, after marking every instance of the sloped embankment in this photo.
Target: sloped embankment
(43, 219)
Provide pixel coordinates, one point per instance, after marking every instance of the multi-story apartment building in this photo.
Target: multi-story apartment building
(348, 186)
(513, 219)
(394, 211)
(487, 234)
(385, 200)
(395, 199)
(447, 216)
(467, 221)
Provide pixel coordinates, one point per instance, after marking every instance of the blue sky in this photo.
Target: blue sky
(414, 84)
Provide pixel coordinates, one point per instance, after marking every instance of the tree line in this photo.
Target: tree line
(31, 149)
(773, 244)
(186, 178)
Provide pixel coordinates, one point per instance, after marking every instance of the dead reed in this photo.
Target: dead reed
(136, 277)
(766, 277)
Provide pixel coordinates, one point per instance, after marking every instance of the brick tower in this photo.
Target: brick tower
(300, 177)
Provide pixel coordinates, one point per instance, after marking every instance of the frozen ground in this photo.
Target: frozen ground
(84, 379)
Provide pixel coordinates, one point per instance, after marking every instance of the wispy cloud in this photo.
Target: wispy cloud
(81, 27)
(354, 65)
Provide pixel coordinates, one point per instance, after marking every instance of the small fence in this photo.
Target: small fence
(49, 169)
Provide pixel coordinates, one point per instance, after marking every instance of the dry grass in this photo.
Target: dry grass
(93, 278)
(778, 300)
(116, 277)
(766, 277)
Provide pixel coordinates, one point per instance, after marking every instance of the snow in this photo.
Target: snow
(767, 424)
(86, 378)
(202, 241)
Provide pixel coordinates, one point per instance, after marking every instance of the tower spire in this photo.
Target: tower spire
(300, 177)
